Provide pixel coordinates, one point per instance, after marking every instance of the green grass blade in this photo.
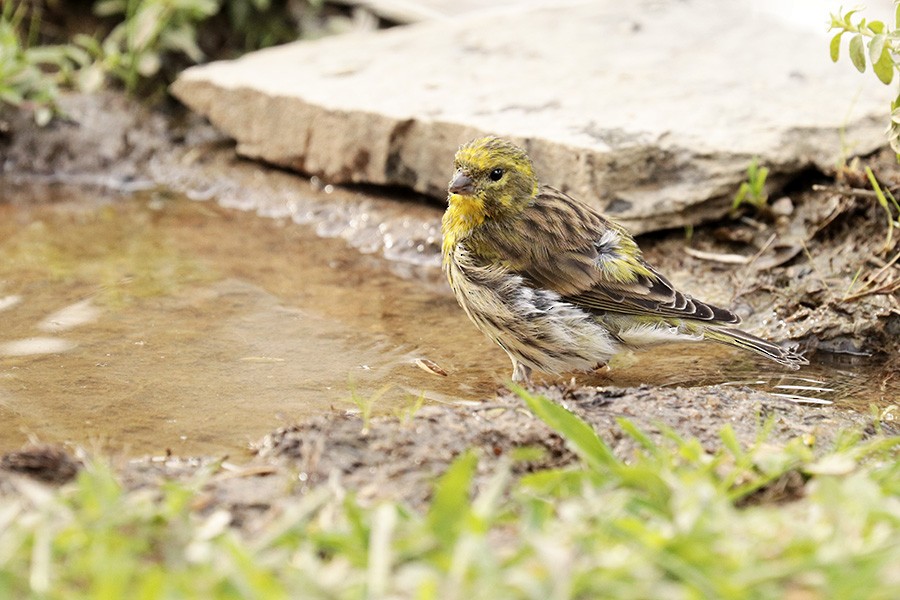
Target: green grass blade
(582, 438)
(638, 435)
(882, 200)
(450, 506)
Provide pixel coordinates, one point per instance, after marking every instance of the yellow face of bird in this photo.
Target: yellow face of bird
(494, 178)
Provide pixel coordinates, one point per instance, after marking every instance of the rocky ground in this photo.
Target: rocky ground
(817, 257)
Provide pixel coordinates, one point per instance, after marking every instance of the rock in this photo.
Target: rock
(402, 11)
(650, 111)
(783, 207)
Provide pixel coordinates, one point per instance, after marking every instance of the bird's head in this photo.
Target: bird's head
(494, 179)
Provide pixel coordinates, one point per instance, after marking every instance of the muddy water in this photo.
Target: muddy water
(154, 323)
(160, 323)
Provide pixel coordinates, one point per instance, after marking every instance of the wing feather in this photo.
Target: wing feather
(564, 245)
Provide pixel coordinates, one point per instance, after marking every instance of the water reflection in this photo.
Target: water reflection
(70, 316)
(34, 346)
(828, 379)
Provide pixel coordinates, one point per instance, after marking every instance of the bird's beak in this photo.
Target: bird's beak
(461, 184)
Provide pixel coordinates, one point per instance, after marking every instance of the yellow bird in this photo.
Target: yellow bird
(554, 283)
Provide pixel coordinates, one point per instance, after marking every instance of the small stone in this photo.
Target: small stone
(783, 207)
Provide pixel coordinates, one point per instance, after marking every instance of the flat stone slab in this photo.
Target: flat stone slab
(649, 110)
(415, 11)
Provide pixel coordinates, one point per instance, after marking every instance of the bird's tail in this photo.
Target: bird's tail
(741, 339)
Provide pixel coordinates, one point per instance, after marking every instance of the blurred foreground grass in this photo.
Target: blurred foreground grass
(673, 522)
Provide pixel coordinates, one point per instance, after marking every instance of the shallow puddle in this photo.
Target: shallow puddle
(153, 323)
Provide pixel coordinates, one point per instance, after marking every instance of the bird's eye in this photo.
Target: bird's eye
(496, 174)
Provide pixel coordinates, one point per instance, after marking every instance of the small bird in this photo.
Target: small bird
(553, 282)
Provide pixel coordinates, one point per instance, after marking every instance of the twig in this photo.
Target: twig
(728, 259)
(762, 250)
(890, 286)
(850, 192)
(740, 290)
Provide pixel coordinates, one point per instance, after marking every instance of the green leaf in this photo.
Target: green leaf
(884, 66)
(108, 8)
(876, 188)
(555, 482)
(450, 505)
(730, 441)
(741, 195)
(11, 96)
(876, 47)
(836, 46)
(836, 22)
(757, 180)
(895, 146)
(637, 435)
(858, 52)
(895, 115)
(580, 436)
(876, 27)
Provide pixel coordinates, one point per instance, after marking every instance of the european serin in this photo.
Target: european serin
(555, 284)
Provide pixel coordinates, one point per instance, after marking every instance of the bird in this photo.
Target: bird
(557, 285)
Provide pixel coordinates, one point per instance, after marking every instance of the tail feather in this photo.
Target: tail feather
(742, 339)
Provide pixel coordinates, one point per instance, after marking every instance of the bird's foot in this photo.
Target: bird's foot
(521, 373)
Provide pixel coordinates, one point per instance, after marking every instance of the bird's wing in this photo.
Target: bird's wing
(561, 244)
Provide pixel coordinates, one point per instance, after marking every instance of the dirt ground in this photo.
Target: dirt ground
(819, 255)
(401, 460)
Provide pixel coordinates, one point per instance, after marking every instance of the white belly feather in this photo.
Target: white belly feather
(535, 327)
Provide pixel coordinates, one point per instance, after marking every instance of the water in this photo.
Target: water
(189, 327)
(152, 323)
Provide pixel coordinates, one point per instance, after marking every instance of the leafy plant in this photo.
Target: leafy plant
(365, 405)
(263, 23)
(30, 76)
(882, 197)
(150, 31)
(876, 281)
(150, 34)
(753, 190)
(140, 43)
(874, 43)
(406, 414)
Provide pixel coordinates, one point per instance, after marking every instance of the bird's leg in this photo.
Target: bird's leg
(521, 373)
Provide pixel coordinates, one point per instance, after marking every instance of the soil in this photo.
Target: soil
(820, 255)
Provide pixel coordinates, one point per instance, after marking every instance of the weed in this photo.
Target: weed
(753, 190)
(874, 43)
(882, 197)
(406, 414)
(879, 281)
(150, 30)
(30, 76)
(367, 404)
(141, 44)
